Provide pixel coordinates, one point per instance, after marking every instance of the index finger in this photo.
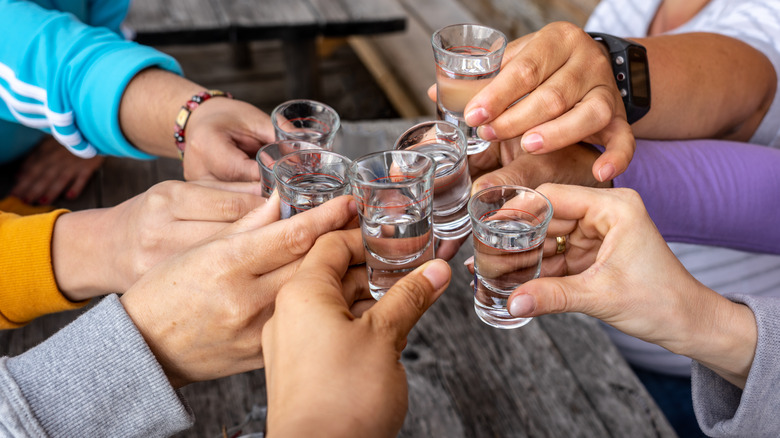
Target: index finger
(284, 241)
(529, 64)
(199, 202)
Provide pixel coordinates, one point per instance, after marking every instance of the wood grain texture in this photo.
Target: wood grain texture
(559, 376)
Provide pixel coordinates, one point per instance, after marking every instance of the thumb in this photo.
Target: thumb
(546, 295)
(404, 304)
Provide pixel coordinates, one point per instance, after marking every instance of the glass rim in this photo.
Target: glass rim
(278, 142)
(355, 179)
(285, 104)
(543, 224)
(438, 46)
(459, 132)
(342, 183)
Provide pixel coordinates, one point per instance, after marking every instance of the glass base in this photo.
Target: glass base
(477, 145)
(450, 233)
(499, 318)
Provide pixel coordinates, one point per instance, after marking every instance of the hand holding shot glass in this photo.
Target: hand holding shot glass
(468, 57)
(269, 154)
(308, 178)
(446, 144)
(509, 226)
(306, 120)
(393, 191)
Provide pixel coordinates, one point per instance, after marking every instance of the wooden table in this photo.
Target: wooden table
(297, 23)
(559, 376)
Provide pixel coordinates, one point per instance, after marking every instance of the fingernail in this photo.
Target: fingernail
(532, 142)
(606, 172)
(437, 273)
(486, 133)
(476, 117)
(469, 261)
(522, 305)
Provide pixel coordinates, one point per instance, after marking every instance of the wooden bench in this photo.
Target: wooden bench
(298, 23)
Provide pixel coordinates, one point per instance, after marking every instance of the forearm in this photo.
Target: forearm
(722, 336)
(149, 108)
(709, 192)
(95, 377)
(705, 85)
(67, 78)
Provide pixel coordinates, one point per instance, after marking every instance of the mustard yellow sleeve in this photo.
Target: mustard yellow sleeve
(28, 288)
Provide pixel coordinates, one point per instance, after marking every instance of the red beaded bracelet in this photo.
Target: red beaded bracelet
(184, 115)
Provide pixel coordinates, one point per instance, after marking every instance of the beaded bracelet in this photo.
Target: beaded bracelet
(184, 115)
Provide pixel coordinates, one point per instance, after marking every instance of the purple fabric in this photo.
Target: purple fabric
(710, 192)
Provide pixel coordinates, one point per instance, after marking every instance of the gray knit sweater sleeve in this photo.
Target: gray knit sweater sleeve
(95, 377)
(723, 410)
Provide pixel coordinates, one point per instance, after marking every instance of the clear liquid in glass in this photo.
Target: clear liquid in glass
(395, 243)
(451, 190)
(455, 90)
(309, 191)
(503, 261)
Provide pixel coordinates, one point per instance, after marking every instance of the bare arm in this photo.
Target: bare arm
(705, 85)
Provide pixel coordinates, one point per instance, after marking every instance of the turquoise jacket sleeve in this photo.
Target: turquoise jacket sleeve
(67, 78)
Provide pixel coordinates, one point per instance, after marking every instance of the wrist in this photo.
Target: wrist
(79, 259)
(149, 104)
(185, 113)
(722, 336)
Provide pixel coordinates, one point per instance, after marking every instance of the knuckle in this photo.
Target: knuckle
(414, 294)
(233, 208)
(630, 197)
(599, 112)
(560, 301)
(299, 239)
(553, 101)
(526, 74)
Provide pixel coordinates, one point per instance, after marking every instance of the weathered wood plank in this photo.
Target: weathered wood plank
(271, 19)
(359, 17)
(613, 389)
(176, 22)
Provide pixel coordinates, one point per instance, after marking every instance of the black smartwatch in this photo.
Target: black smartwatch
(632, 73)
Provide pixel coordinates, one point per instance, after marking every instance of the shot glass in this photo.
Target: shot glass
(509, 227)
(468, 57)
(269, 154)
(308, 178)
(393, 191)
(306, 120)
(446, 144)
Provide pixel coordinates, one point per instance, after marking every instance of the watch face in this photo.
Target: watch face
(639, 77)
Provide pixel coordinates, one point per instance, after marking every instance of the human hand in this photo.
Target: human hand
(622, 272)
(505, 163)
(223, 136)
(99, 251)
(202, 312)
(568, 93)
(51, 170)
(328, 372)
